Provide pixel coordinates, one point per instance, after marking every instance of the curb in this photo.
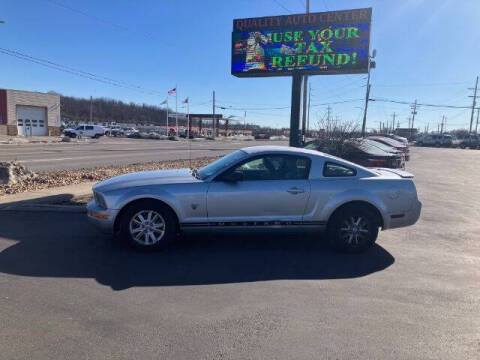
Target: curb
(81, 209)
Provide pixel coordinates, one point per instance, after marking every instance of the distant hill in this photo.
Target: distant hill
(109, 110)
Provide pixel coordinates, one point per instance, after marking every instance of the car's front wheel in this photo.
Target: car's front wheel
(147, 225)
(353, 229)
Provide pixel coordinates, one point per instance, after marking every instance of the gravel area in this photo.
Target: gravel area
(69, 177)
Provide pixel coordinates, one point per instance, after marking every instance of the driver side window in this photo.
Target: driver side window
(274, 167)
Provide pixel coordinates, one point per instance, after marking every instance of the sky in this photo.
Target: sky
(426, 50)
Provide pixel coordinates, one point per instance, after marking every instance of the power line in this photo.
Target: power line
(427, 84)
(96, 18)
(282, 6)
(283, 107)
(77, 72)
(420, 104)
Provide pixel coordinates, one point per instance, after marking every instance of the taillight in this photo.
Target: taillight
(377, 162)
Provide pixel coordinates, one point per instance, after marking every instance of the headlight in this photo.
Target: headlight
(99, 200)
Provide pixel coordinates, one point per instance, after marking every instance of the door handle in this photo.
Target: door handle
(295, 191)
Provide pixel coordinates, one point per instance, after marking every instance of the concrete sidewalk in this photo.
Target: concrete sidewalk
(47, 199)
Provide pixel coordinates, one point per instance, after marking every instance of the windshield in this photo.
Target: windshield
(221, 164)
(380, 145)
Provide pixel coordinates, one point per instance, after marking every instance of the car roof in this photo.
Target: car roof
(281, 149)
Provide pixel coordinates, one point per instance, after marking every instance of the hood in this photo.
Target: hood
(143, 178)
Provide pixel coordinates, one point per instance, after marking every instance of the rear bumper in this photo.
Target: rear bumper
(102, 219)
(407, 219)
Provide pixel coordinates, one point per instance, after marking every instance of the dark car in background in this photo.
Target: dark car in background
(469, 141)
(393, 143)
(438, 140)
(364, 152)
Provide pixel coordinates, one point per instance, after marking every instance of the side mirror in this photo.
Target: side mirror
(233, 176)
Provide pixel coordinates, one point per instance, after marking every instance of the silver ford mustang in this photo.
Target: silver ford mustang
(261, 187)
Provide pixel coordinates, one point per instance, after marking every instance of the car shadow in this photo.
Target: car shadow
(54, 244)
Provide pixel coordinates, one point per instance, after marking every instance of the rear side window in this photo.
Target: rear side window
(331, 169)
(89, 127)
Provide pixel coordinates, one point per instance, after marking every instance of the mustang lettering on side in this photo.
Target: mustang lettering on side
(260, 187)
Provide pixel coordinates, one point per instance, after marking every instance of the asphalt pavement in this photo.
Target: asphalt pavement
(90, 153)
(67, 291)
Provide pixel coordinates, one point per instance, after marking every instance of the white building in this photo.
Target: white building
(29, 113)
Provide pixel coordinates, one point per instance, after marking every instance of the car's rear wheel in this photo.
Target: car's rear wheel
(148, 226)
(353, 229)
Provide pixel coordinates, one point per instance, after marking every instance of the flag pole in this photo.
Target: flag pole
(167, 116)
(188, 118)
(176, 109)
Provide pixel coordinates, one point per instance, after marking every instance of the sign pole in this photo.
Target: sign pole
(295, 110)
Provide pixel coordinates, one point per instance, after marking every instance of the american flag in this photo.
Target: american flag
(172, 92)
(185, 101)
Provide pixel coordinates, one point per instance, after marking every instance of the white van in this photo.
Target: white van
(93, 131)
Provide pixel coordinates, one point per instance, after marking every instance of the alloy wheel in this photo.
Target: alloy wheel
(354, 231)
(147, 227)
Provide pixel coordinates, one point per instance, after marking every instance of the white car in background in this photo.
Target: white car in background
(92, 131)
(260, 187)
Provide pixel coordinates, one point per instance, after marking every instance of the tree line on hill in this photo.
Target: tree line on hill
(110, 110)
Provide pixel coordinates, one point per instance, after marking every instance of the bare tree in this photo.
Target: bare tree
(334, 136)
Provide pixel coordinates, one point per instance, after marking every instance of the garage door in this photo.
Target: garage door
(31, 120)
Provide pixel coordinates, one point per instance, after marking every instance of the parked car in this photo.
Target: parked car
(93, 131)
(401, 139)
(135, 135)
(260, 187)
(129, 130)
(393, 143)
(438, 140)
(114, 130)
(471, 142)
(364, 152)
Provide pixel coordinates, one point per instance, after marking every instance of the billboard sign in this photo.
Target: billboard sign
(334, 42)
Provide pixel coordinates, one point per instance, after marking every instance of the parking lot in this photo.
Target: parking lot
(68, 292)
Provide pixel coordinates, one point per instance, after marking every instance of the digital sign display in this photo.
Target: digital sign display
(334, 42)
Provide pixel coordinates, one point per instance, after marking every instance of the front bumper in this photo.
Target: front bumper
(102, 219)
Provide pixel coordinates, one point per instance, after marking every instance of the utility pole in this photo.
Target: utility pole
(213, 112)
(394, 115)
(245, 120)
(473, 103)
(414, 112)
(476, 126)
(428, 126)
(91, 110)
(176, 110)
(371, 64)
(308, 111)
(304, 95)
(441, 126)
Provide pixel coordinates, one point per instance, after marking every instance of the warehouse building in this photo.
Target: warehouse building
(28, 113)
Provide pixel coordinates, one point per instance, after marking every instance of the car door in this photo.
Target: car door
(263, 188)
(80, 130)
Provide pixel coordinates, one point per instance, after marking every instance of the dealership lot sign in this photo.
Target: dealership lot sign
(335, 42)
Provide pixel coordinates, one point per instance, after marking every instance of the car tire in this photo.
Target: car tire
(158, 230)
(353, 229)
